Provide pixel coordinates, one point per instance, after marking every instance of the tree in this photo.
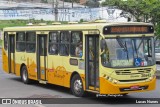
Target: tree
(141, 10)
(92, 3)
(44, 1)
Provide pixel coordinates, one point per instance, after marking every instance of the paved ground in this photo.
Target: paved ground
(158, 71)
(12, 87)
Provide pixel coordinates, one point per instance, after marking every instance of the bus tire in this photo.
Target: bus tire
(77, 86)
(24, 75)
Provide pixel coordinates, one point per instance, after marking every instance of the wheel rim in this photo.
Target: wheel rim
(77, 86)
(24, 75)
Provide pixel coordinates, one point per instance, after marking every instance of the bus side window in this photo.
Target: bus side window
(76, 46)
(20, 42)
(5, 40)
(64, 43)
(53, 43)
(30, 42)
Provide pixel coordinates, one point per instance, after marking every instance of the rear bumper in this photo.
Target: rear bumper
(107, 87)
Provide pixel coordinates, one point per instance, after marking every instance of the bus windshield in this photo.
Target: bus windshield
(128, 52)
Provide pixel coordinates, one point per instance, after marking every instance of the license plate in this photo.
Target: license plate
(136, 87)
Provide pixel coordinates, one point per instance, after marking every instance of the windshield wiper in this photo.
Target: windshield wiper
(120, 42)
(126, 51)
(141, 42)
(123, 45)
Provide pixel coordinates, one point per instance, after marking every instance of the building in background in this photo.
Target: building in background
(83, 2)
(38, 11)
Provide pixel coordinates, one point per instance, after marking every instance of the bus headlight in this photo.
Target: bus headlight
(150, 78)
(112, 80)
(115, 81)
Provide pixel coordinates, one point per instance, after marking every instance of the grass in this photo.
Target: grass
(11, 23)
(18, 22)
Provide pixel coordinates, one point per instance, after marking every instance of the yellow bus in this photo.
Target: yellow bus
(103, 58)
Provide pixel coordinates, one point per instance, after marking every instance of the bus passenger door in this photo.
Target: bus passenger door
(41, 56)
(92, 62)
(11, 53)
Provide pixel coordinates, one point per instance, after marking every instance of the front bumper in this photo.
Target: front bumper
(107, 87)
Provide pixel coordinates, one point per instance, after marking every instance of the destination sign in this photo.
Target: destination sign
(129, 29)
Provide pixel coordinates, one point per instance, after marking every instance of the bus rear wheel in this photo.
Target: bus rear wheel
(77, 86)
(24, 75)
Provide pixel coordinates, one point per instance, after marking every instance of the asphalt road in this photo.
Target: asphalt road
(12, 87)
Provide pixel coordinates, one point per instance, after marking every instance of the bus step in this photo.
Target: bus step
(42, 82)
(93, 91)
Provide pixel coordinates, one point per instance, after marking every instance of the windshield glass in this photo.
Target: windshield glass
(128, 52)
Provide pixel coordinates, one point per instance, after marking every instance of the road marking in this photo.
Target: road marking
(38, 105)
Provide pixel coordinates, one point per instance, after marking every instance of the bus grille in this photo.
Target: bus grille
(134, 71)
(133, 80)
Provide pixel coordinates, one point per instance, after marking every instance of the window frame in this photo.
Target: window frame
(65, 43)
(5, 34)
(24, 41)
(53, 43)
(30, 42)
(71, 43)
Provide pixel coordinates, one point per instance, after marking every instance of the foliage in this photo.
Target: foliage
(44, 1)
(141, 10)
(10, 23)
(157, 28)
(81, 20)
(92, 3)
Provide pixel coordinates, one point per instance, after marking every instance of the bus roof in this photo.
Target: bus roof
(70, 26)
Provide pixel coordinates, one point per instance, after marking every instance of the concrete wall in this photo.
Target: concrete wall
(70, 14)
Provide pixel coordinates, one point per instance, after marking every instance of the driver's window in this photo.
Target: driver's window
(105, 53)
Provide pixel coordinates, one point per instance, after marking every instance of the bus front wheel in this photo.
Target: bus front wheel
(24, 75)
(77, 86)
